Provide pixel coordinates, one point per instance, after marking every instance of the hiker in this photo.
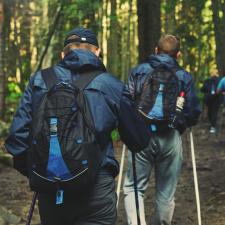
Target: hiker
(156, 86)
(55, 134)
(212, 99)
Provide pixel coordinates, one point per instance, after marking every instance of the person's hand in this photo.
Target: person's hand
(178, 122)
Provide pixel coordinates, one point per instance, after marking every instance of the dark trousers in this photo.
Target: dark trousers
(213, 105)
(98, 207)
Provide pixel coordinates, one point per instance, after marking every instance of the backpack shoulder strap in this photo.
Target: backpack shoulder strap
(179, 72)
(151, 70)
(49, 77)
(85, 78)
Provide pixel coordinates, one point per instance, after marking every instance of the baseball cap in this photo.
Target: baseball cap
(84, 36)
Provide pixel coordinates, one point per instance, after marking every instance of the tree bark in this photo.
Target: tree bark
(112, 46)
(17, 50)
(26, 40)
(2, 77)
(50, 35)
(149, 26)
(128, 47)
(169, 16)
(219, 29)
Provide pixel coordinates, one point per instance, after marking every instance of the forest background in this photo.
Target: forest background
(32, 34)
(31, 37)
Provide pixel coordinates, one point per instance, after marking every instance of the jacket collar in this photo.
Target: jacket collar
(162, 59)
(81, 59)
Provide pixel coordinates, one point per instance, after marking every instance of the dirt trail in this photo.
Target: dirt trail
(210, 157)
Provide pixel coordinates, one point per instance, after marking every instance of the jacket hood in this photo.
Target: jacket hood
(162, 59)
(81, 59)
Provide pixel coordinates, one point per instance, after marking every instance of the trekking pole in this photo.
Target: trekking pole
(135, 189)
(195, 179)
(120, 174)
(31, 208)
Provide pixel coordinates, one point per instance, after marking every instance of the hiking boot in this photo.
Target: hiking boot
(212, 130)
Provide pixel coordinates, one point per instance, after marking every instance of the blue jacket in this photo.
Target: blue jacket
(110, 104)
(221, 89)
(221, 85)
(138, 75)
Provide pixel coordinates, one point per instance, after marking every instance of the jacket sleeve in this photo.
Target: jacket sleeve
(18, 140)
(192, 109)
(136, 79)
(132, 84)
(133, 131)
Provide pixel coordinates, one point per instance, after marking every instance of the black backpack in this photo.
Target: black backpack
(64, 155)
(157, 102)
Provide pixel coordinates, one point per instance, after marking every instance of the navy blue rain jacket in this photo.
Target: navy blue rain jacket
(138, 75)
(110, 103)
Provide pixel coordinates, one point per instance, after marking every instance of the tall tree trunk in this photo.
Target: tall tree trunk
(22, 26)
(16, 45)
(128, 47)
(2, 78)
(50, 34)
(219, 29)
(112, 46)
(149, 26)
(169, 17)
(26, 40)
(10, 65)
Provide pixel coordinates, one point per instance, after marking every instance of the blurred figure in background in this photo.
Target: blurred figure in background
(212, 98)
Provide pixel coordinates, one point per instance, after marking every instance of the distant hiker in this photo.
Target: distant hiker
(212, 99)
(157, 86)
(61, 135)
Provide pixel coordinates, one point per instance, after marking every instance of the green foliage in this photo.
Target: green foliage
(13, 96)
(4, 129)
(27, 24)
(14, 92)
(115, 135)
(193, 24)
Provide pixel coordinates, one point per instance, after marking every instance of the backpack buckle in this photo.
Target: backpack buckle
(53, 126)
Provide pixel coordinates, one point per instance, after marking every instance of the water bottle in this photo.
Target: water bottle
(179, 108)
(180, 102)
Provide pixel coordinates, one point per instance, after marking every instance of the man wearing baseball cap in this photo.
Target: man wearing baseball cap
(110, 107)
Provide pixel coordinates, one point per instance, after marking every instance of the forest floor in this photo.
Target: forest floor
(15, 196)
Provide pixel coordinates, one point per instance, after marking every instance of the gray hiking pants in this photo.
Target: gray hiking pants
(164, 152)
